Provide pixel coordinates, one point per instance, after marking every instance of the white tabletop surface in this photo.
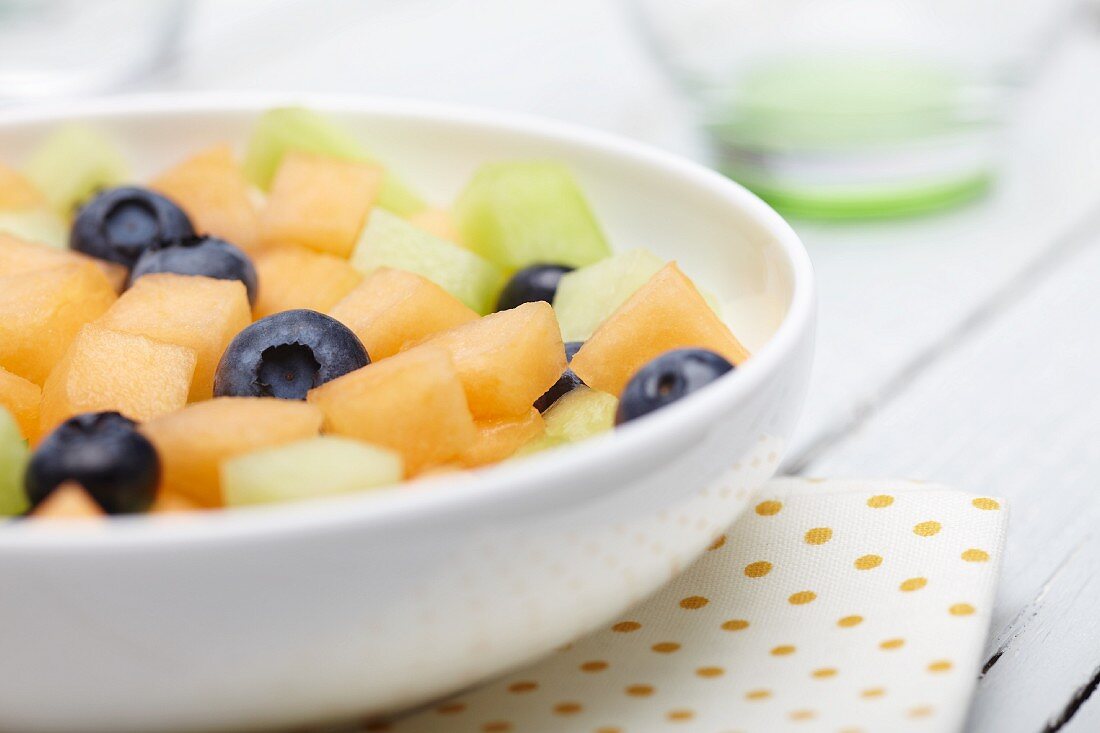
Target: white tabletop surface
(962, 348)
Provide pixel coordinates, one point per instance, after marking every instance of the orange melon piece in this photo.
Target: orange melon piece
(68, 501)
(22, 398)
(18, 255)
(319, 202)
(506, 360)
(664, 314)
(412, 403)
(16, 191)
(170, 502)
(213, 191)
(294, 277)
(193, 442)
(110, 370)
(437, 222)
(42, 311)
(394, 308)
(200, 313)
(498, 439)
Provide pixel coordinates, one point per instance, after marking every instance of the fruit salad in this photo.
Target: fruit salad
(300, 323)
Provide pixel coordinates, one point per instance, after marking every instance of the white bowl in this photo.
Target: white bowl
(329, 610)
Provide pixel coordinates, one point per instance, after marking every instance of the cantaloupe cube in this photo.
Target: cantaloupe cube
(498, 439)
(201, 313)
(294, 277)
(20, 255)
(68, 501)
(21, 397)
(412, 403)
(319, 202)
(41, 312)
(437, 222)
(664, 314)
(506, 360)
(110, 370)
(171, 502)
(16, 191)
(394, 308)
(212, 189)
(193, 442)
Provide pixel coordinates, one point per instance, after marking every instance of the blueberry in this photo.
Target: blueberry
(286, 355)
(567, 382)
(532, 284)
(105, 454)
(121, 223)
(667, 378)
(207, 256)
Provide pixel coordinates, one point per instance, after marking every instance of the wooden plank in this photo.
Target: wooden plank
(1014, 410)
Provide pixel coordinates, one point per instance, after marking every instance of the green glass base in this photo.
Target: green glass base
(871, 203)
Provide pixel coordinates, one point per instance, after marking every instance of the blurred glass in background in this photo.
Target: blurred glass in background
(115, 41)
(854, 108)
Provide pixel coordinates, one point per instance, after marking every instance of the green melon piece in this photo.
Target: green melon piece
(390, 241)
(294, 128)
(72, 163)
(36, 225)
(305, 469)
(579, 414)
(13, 461)
(521, 213)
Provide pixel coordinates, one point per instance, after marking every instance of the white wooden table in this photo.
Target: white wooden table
(963, 348)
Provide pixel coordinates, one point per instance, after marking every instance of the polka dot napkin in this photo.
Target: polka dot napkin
(837, 606)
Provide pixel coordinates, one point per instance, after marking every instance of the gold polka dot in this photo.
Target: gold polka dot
(802, 597)
(850, 621)
(451, 708)
(665, 647)
(567, 708)
(940, 665)
(625, 627)
(975, 555)
(782, 650)
(922, 711)
(892, 644)
(758, 569)
(710, 671)
(800, 715)
(721, 540)
(497, 726)
(735, 624)
(693, 602)
(824, 673)
(678, 716)
(868, 562)
(768, 508)
(986, 504)
(639, 690)
(927, 529)
(523, 686)
(596, 665)
(818, 535)
(872, 692)
(913, 584)
(961, 609)
(758, 694)
(880, 501)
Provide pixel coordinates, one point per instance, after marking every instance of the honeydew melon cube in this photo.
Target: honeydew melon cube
(280, 130)
(588, 295)
(526, 212)
(40, 225)
(13, 461)
(577, 415)
(390, 241)
(323, 466)
(72, 163)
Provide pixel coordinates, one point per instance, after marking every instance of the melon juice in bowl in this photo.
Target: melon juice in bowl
(329, 610)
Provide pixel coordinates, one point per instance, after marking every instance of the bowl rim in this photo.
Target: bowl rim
(534, 479)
